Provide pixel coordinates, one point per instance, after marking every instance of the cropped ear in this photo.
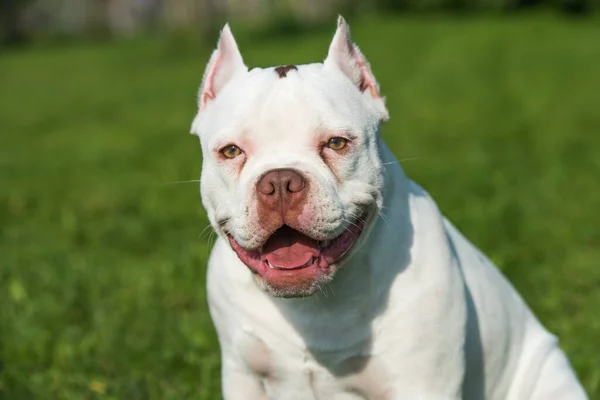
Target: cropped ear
(224, 63)
(347, 57)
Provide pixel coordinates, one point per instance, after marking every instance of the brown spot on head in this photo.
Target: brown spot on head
(284, 69)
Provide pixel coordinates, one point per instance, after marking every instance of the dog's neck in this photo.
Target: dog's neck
(359, 291)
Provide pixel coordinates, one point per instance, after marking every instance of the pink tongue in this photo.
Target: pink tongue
(288, 248)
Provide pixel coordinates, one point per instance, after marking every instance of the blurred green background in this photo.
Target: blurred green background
(102, 254)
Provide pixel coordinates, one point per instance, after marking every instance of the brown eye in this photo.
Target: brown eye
(231, 151)
(337, 143)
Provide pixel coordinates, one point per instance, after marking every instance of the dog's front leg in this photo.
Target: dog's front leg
(239, 383)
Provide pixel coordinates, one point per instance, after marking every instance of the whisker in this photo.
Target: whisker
(212, 239)
(351, 223)
(327, 286)
(322, 290)
(177, 182)
(358, 218)
(385, 219)
(409, 159)
(350, 232)
(331, 287)
(401, 161)
(204, 230)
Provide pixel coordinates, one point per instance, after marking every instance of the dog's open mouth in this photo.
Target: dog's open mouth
(291, 255)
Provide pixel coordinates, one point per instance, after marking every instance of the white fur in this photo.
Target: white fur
(416, 312)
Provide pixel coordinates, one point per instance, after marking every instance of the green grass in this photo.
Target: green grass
(103, 261)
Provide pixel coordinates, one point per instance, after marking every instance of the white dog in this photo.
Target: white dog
(334, 275)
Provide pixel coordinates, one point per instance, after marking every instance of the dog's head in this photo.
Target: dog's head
(291, 173)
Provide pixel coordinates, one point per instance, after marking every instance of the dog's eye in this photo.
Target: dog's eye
(231, 151)
(337, 143)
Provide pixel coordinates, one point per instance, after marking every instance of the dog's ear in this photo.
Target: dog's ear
(347, 57)
(224, 63)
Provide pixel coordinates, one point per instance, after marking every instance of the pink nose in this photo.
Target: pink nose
(282, 190)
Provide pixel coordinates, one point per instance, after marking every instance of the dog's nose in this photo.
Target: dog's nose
(281, 189)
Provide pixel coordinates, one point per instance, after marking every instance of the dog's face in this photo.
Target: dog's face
(291, 173)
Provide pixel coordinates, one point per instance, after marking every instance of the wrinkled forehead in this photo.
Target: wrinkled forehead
(271, 105)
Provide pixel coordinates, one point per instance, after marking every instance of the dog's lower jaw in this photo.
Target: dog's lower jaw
(303, 288)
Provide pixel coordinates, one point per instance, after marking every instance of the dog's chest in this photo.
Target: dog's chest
(290, 372)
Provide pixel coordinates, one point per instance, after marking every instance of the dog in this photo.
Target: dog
(334, 276)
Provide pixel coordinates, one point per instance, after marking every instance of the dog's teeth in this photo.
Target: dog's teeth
(325, 243)
(270, 265)
(306, 264)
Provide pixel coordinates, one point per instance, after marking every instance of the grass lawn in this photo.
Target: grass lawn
(103, 259)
